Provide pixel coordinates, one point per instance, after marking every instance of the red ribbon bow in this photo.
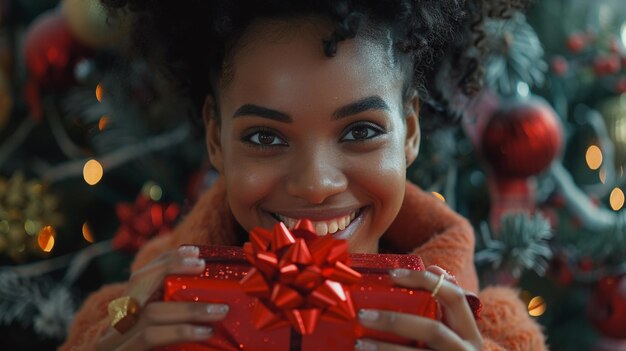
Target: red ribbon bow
(298, 277)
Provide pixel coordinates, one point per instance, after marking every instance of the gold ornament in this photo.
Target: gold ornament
(27, 218)
(614, 112)
(91, 24)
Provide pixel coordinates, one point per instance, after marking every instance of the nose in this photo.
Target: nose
(316, 176)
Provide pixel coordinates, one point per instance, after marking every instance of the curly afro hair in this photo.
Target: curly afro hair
(442, 40)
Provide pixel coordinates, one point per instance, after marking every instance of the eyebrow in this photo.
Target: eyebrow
(369, 103)
(365, 104)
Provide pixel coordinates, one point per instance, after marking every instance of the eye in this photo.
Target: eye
(264, 138)
(362, 132)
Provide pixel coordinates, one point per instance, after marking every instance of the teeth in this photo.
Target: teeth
(342, 223)
(323, 227)
(333, 227)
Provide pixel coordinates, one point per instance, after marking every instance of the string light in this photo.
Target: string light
(99, 92)
(594, 157)
(92, 172)
(45, 238)
(537, 306)
(87, 233)
(616, 199)
(439, 196)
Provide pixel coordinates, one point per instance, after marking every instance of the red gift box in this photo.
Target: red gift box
(220, 283)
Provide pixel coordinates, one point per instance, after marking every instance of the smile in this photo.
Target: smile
(335, 225)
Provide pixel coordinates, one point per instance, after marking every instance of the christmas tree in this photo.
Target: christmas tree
(97, 157)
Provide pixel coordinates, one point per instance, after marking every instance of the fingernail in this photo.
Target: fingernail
(364, 345)
(400, 272)
(368, 315)
(193, 262)
(217, 309)
(203, 332)
(189, 250)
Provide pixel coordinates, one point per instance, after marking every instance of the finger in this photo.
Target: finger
(451, 296)
(180, 312)
(163, 335)
(169, 259)
(434, 333)
(439, 271)
(373, 345)
(166, 313)
(144, 282)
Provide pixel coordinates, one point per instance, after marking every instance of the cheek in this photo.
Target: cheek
(383, 177)
(248, 182)
(247, 186)
(391, 179)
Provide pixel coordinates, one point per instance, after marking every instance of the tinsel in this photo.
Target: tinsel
(36, 302)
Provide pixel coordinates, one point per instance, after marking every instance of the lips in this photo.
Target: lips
(322, 227)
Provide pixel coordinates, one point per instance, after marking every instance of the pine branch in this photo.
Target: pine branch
(120, 156)
(523, 244)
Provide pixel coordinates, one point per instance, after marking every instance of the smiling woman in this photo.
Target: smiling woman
(313, 137)
(311, 111)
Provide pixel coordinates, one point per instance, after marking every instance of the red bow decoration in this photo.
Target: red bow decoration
(298, 277)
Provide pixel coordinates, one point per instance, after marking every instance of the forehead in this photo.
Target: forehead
(282, 61)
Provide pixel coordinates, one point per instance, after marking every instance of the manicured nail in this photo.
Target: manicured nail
(189, 250)
(400, 272)
(368, 315)
(203, 332)
(193, 262)
(217, 309)
(364, 345)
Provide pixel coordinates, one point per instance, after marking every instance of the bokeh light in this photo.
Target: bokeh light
(99, 92)
(537, 306)
(45, 238)
(92, 172)
(594, 157)
(439, 196)
(103, 122)
(617, 199)
(87, 233)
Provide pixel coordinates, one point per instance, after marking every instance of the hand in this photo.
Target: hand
(164, 323)
(457, 331)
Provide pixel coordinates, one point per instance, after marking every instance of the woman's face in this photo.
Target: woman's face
(302, 135)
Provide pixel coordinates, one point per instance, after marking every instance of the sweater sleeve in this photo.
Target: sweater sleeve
(427, 227)
(92, 319)
(504, 322)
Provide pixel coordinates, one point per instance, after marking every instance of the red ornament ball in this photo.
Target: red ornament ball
(576, 42)
(521, 138)
(605, 65)
(607, 307)
(559, 65)
(51, 52)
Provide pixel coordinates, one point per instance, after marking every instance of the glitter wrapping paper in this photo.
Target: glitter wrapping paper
(220, 283)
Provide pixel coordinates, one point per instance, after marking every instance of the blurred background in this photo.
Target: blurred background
(96, 158)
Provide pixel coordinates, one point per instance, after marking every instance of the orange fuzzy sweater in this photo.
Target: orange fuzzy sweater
(425, 226)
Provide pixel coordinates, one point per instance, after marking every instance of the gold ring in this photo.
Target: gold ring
(438, 285)
(124, 313)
